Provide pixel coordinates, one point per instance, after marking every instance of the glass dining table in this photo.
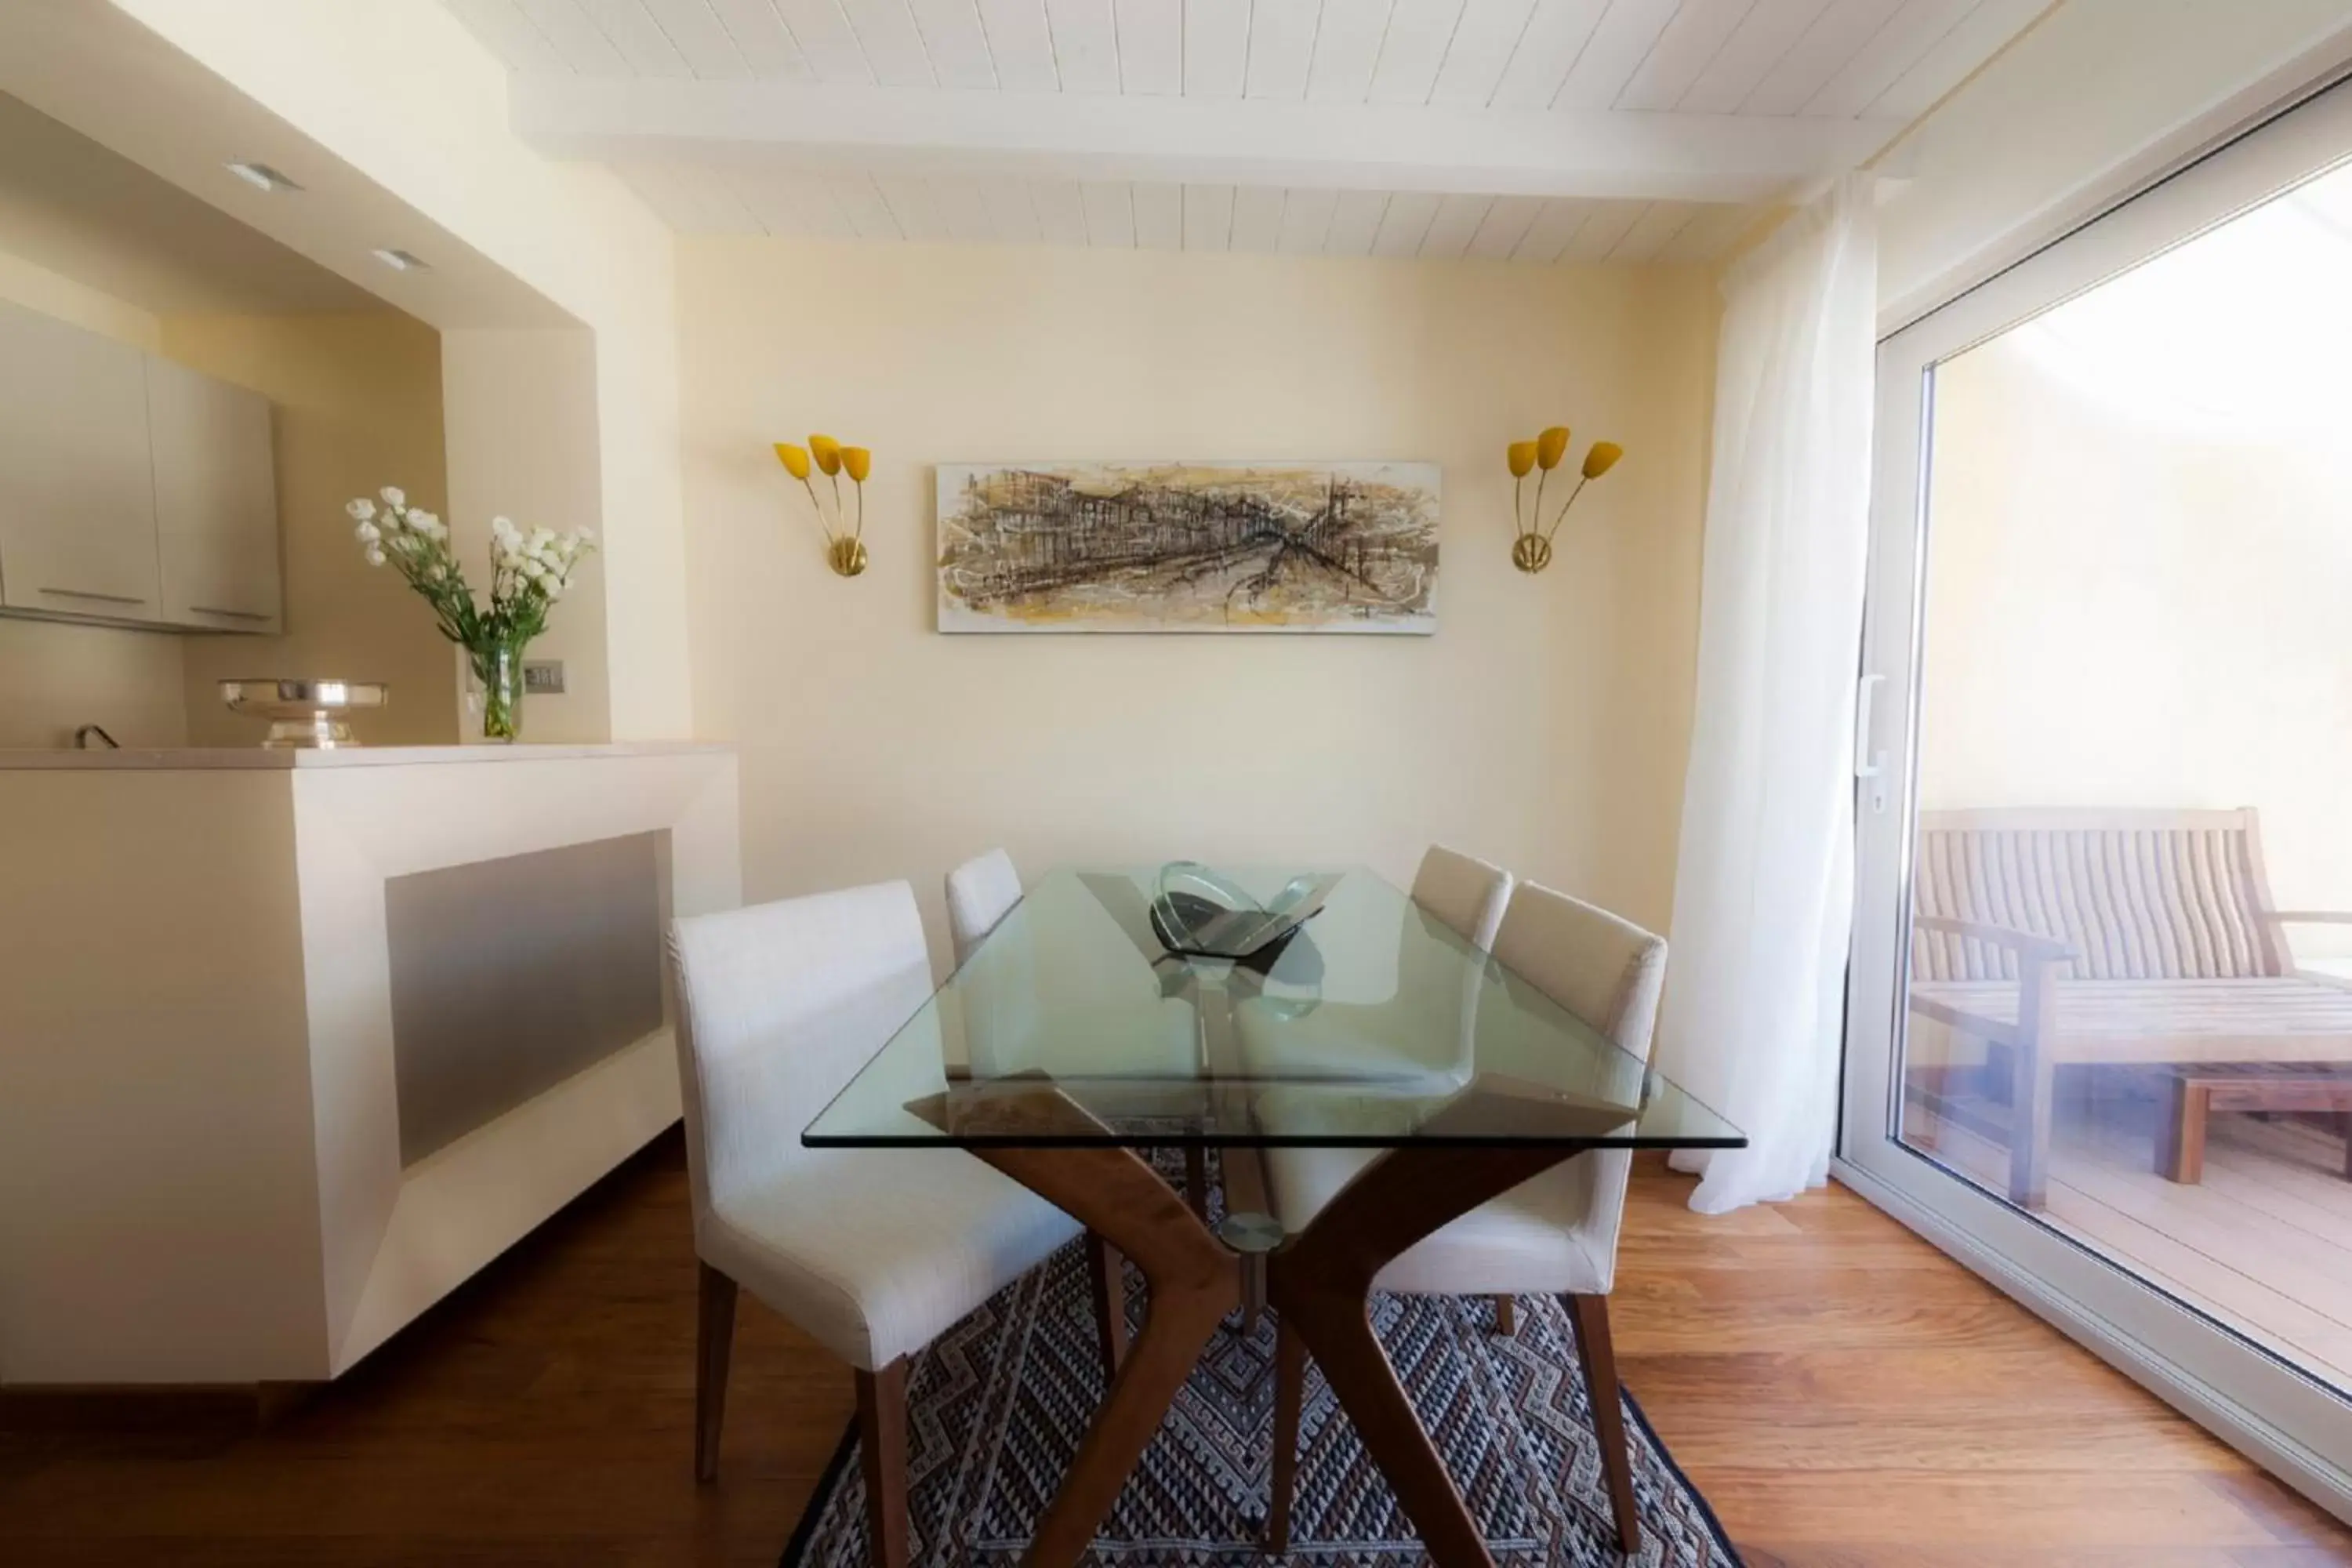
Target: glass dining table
(1105, 1017)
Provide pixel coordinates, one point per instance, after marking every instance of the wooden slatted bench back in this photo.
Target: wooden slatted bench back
(2137, 894)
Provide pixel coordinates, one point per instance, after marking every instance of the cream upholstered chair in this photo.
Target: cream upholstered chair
(981, 892)
(872, 1252)
(1465, 892)
(1424, 1029)
(1556, 1234)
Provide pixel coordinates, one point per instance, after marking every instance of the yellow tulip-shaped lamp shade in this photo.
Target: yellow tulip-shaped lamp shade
(827, 453)
(856, 462)
(795, 459)
(1521, 455)
(1602, 458)
(1550, 448)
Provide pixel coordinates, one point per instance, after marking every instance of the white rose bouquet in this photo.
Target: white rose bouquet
(529, 572)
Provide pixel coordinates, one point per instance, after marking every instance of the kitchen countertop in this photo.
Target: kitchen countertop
(214, 758)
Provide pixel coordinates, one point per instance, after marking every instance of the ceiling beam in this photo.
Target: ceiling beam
(1229, 142)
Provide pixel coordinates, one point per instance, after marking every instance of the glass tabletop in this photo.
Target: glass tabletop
(1092, 1015)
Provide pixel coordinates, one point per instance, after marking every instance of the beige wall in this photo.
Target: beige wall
(56, 678)
(2126, 612)
(356, 405)
(1544, 725)
(521, 412)
(569, 230)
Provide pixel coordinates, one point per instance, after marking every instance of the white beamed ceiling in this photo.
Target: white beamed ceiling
(1619, 130)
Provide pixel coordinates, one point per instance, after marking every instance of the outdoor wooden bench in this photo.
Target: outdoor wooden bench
(2114, 937)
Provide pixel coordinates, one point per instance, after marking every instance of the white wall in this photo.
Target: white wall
(2100, 96)
(1543, 726)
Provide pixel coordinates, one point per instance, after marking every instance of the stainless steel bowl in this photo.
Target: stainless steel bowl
(304, 712)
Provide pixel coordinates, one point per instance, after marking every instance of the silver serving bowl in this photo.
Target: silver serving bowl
(305, 711)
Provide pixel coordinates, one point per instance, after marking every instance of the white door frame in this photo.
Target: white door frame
(2289, 1424)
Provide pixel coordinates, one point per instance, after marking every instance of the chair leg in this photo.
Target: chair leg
(1506, 1316)
(1289, 1390)
(1107, 1275)
(714, 1347)
(882, 1453)
(1597, 1357)
(1196, 1181)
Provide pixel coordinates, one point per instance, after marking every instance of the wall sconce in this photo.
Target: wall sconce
(1531, 551)
(844, 543)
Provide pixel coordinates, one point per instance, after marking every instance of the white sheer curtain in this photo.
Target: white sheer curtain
(1763, 891)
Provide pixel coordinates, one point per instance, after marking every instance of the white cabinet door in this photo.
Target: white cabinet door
(216, 501)
(76, 493)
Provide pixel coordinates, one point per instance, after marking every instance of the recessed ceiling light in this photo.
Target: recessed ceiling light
(262, 177)
(400, 261)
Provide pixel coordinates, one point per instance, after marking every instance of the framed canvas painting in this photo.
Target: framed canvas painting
(1187, 547)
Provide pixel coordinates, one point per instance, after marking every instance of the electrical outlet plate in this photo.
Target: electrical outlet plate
(542, 676)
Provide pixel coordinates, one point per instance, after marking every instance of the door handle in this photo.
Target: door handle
(234, 614)
(100, 598)
(1866, 764)
(1869, 766)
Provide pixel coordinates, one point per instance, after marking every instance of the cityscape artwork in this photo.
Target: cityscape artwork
(1187, 547)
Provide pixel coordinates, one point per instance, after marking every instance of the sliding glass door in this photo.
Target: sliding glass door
(2100, 1030)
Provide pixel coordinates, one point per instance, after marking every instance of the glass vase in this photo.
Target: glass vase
(498, 690)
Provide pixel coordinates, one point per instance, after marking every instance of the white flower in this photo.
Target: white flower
(554, 590)
(374, 556)
(504, 530)
(419, 520)
(394, 496)
(580, 536)
(435, 574)
(367, 533)
(362, 510)
(433, 527)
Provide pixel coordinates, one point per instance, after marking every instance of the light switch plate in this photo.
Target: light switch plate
(542, 676)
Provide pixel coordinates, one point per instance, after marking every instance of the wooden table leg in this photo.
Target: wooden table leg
(1194, 1281)
(1107, 1274)
(1321, 1285)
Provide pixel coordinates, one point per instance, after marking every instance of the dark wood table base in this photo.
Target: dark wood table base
(1320, 1280)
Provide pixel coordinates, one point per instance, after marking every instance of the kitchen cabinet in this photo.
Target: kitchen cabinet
(132, 490)
(216, 501)
(77, 486)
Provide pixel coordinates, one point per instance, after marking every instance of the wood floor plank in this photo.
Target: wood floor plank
(1844, 1395)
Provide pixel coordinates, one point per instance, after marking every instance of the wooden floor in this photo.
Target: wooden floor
(2263, 1243)
(1843, 1394)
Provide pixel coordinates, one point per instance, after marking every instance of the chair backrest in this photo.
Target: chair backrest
(2139, 894)
(981, 892)
(778, 1006)
(1608, 972)
(1465, 892)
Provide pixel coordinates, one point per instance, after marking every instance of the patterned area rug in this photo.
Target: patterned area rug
(999, 1403)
